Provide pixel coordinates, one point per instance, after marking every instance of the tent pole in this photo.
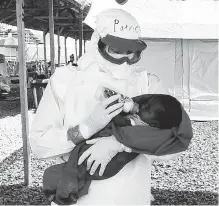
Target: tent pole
(84, 46)
(37, 55)
(44, 46)
(80, 31)
(51, 31)
(65, 51)
(178, 70)
(23, 91)
(189, 80)
(59, 49)
(76, 50)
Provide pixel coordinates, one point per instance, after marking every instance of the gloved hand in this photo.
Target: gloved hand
(100, 116)
(101, 153)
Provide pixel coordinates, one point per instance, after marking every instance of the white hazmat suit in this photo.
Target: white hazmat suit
(69, 99)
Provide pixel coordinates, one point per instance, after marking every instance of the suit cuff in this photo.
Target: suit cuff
(75, 135)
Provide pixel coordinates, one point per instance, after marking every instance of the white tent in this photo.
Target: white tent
(182, 39)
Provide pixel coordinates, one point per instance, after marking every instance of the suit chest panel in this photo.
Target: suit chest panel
(80, 97)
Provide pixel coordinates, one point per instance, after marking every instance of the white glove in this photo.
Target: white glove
(100, 116)
(101, 153)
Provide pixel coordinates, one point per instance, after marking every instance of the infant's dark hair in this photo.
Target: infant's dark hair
(170, 112)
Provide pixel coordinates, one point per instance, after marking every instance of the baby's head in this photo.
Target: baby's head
(159, 110)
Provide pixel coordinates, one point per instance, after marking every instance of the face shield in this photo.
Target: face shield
(118, 51)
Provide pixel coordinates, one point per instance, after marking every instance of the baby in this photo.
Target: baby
(155, 110)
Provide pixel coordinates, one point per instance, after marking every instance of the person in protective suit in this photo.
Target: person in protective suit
(4, 77)
(71, 61)
(70, 110)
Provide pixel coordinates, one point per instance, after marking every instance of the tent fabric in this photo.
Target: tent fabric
(189, 69)
(201, 60)
(200, 79)
(167, 19)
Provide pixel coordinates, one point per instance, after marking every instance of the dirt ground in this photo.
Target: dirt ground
(190, 179)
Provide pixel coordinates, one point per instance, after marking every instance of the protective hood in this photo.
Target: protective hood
(93, 60)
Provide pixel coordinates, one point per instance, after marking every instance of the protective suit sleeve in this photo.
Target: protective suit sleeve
(48, 135)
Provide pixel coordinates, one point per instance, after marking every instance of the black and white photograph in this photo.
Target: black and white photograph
(109, 102)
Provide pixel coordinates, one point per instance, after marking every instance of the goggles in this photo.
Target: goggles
(118, 55)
